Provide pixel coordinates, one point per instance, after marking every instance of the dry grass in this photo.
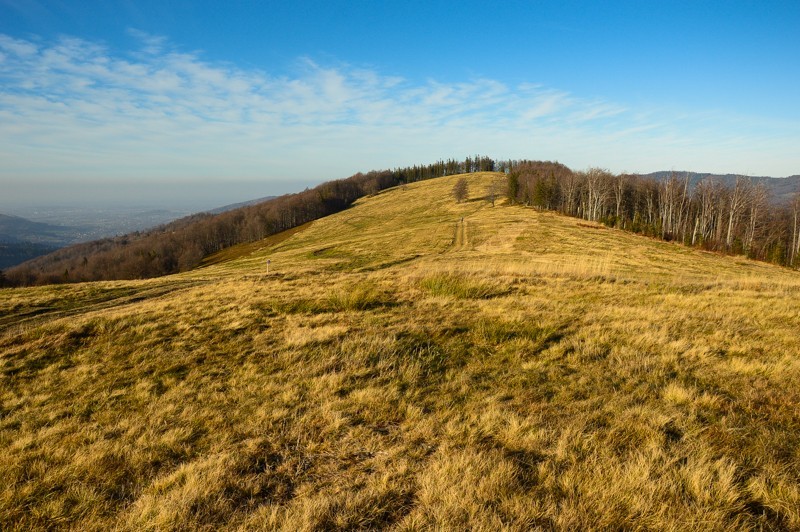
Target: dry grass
(397, 371)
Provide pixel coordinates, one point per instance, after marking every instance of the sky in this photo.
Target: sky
(227, 101)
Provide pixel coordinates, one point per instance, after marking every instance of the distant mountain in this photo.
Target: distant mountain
(781, 188)
(22, 240)
(232, 206)
(14, 229)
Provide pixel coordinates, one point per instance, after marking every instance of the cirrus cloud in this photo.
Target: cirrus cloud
(73, 108)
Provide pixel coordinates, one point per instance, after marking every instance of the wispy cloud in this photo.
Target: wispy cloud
(73, 108)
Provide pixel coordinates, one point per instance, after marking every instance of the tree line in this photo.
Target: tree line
(736, 218)
(183, 244)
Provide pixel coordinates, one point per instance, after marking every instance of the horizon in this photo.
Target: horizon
(284, 97)
(23, 199)
(184, 196)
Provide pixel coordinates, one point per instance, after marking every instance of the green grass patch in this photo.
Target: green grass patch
(461, 287)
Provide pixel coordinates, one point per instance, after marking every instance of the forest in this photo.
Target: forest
(737, 219)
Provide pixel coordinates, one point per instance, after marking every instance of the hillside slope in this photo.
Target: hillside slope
(407, 363)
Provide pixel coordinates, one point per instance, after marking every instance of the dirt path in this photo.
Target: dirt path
(461, 240)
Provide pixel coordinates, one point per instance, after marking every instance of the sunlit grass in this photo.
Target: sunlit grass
(528, 373)
(460, 286)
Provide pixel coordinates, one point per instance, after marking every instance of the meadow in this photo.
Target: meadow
(410, 363)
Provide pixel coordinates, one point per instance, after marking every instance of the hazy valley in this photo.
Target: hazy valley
(49, 228)
(34, 231)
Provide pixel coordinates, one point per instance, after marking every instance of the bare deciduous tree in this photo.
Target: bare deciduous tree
(707, 213)
(598, 190)
(461, 190)
(739, 197)
(620, 188)
(673, 202)
(494, 189)
(756, 205)
(794, 251)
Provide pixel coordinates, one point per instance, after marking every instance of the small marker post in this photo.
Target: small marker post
(268, 261)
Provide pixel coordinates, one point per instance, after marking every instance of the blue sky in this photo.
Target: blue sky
(133, 93)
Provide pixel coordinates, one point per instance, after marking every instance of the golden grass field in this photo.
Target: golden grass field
(399, 368)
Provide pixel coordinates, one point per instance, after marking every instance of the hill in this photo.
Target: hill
(410, 362)
(57, 227)
(88, 230)
(737, 216)
(186, 243)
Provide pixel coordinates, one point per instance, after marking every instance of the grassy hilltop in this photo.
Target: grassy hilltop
(399, 368)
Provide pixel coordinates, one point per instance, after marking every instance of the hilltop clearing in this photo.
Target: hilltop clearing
(410, 362)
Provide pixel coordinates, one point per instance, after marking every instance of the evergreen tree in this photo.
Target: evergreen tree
(513, 187)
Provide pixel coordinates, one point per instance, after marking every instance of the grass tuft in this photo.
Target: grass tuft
(461, 287)
(361, 296)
